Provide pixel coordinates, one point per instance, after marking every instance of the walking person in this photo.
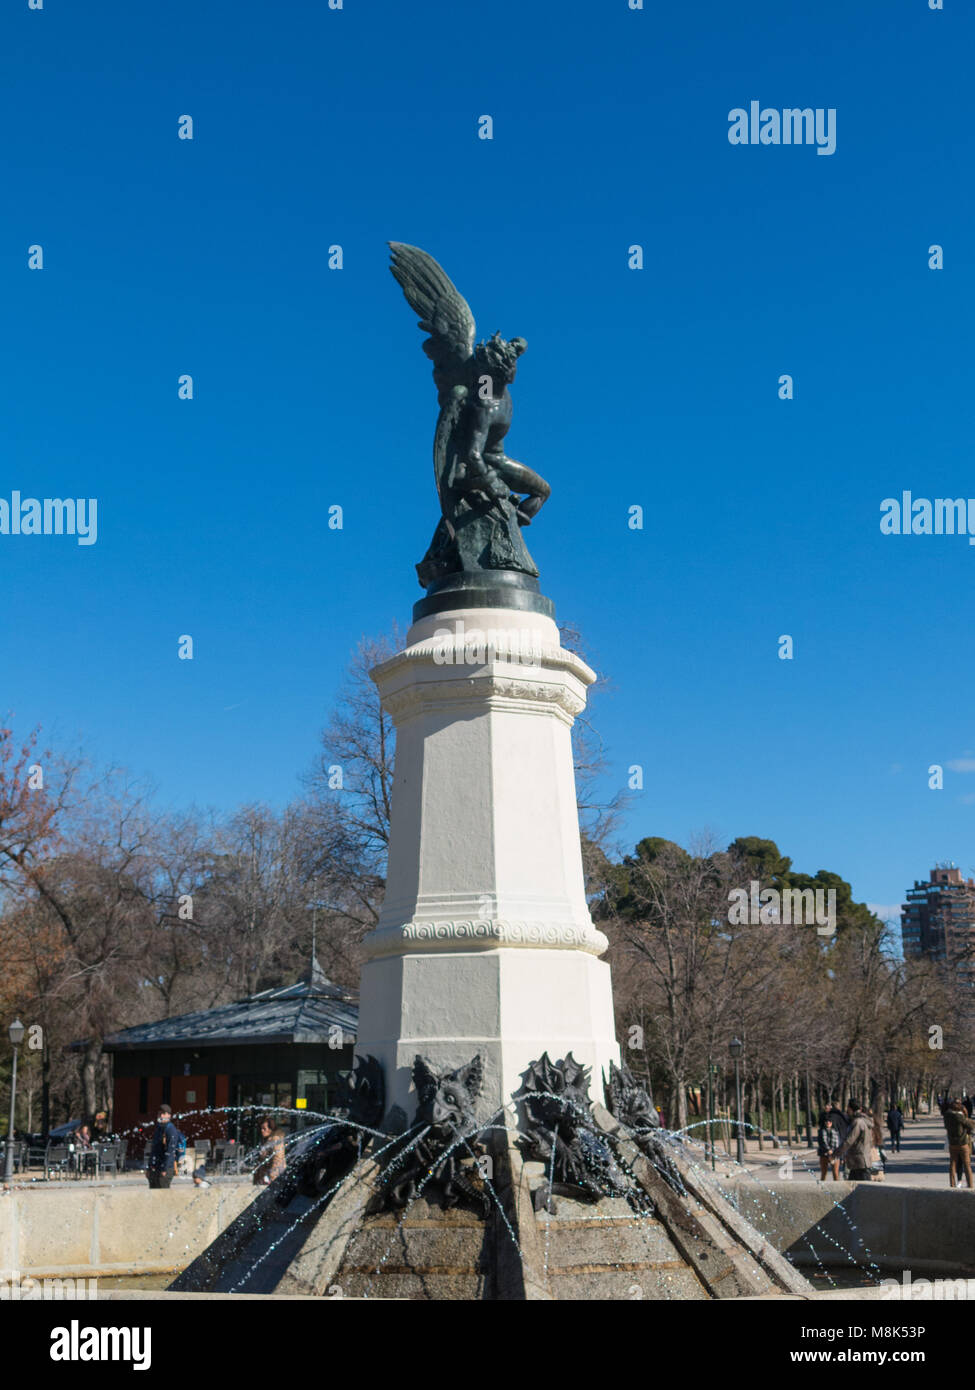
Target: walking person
(163, 1150)
(960, 1129)
(855, 1149)
(895, 1123)
(828, 1147)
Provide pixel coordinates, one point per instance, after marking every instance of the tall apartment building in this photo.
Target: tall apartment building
(938, 921)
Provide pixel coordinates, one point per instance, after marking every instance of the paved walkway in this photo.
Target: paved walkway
(922, 1161)
(34, 1181)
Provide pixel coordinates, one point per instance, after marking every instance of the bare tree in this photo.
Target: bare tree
(668, 915)
(72, 853)
(350, 790)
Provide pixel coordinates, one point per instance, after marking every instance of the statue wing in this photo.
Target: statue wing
(444, 312)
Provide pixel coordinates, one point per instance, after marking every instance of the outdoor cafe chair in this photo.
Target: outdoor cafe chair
(108, 1157)
(56, 1158)
(226, 1157)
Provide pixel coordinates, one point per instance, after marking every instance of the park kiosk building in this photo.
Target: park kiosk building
(283, 1047)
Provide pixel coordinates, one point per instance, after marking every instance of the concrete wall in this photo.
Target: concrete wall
(80, 1230)
(928, 1231)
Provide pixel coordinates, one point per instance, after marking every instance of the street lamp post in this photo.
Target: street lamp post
(710, 1143)
(16, 1032)
(315, 905)
(736, 1047)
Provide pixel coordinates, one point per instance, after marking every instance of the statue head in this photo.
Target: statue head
(445, 1100)
(499, 356)
(629, 1101)
(557, 1093)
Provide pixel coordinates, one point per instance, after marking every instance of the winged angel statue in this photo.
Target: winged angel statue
(480, 487)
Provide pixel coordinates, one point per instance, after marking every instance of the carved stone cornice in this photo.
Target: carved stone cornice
(500, 690)
(485, 934)
(450, 651)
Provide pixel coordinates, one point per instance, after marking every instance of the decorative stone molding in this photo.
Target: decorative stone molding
(413, 699)
(484, 934)
(450, 651)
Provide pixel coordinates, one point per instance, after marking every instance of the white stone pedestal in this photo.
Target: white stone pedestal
(485, 943)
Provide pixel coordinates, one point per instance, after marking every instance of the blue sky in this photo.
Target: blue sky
(655, 387)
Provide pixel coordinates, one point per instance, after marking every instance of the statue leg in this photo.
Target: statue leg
(520, 478)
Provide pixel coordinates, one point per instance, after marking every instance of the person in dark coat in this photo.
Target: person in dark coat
(163, 1150)
(895, 1123)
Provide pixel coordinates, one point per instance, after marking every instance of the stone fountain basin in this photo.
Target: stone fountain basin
(80, 1230)
(927, 1231)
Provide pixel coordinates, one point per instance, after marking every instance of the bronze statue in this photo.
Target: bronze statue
(481, 510)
